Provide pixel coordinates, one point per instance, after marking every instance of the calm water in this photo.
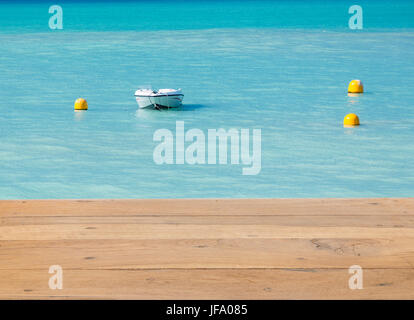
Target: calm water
(282, 67)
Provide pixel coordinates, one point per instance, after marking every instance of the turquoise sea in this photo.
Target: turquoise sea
(279, 66)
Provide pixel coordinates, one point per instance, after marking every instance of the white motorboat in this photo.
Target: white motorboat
(162, 98)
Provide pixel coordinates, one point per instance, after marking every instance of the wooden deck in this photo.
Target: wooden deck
(207, 249)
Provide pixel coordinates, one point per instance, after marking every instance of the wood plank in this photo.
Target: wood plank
(390, 221)
(164, 231)
(208, 284)
(291, 207)
(207, 249)
(208, 254)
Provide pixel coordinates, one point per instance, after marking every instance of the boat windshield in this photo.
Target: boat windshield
(147, 87)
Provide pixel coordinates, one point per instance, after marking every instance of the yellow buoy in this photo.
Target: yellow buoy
(356, 86)
(81, 104)
(351, 120)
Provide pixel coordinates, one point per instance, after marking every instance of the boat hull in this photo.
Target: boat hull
(160, 101)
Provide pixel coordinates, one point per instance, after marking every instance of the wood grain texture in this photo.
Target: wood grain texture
(207, 248)
(201, 207)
